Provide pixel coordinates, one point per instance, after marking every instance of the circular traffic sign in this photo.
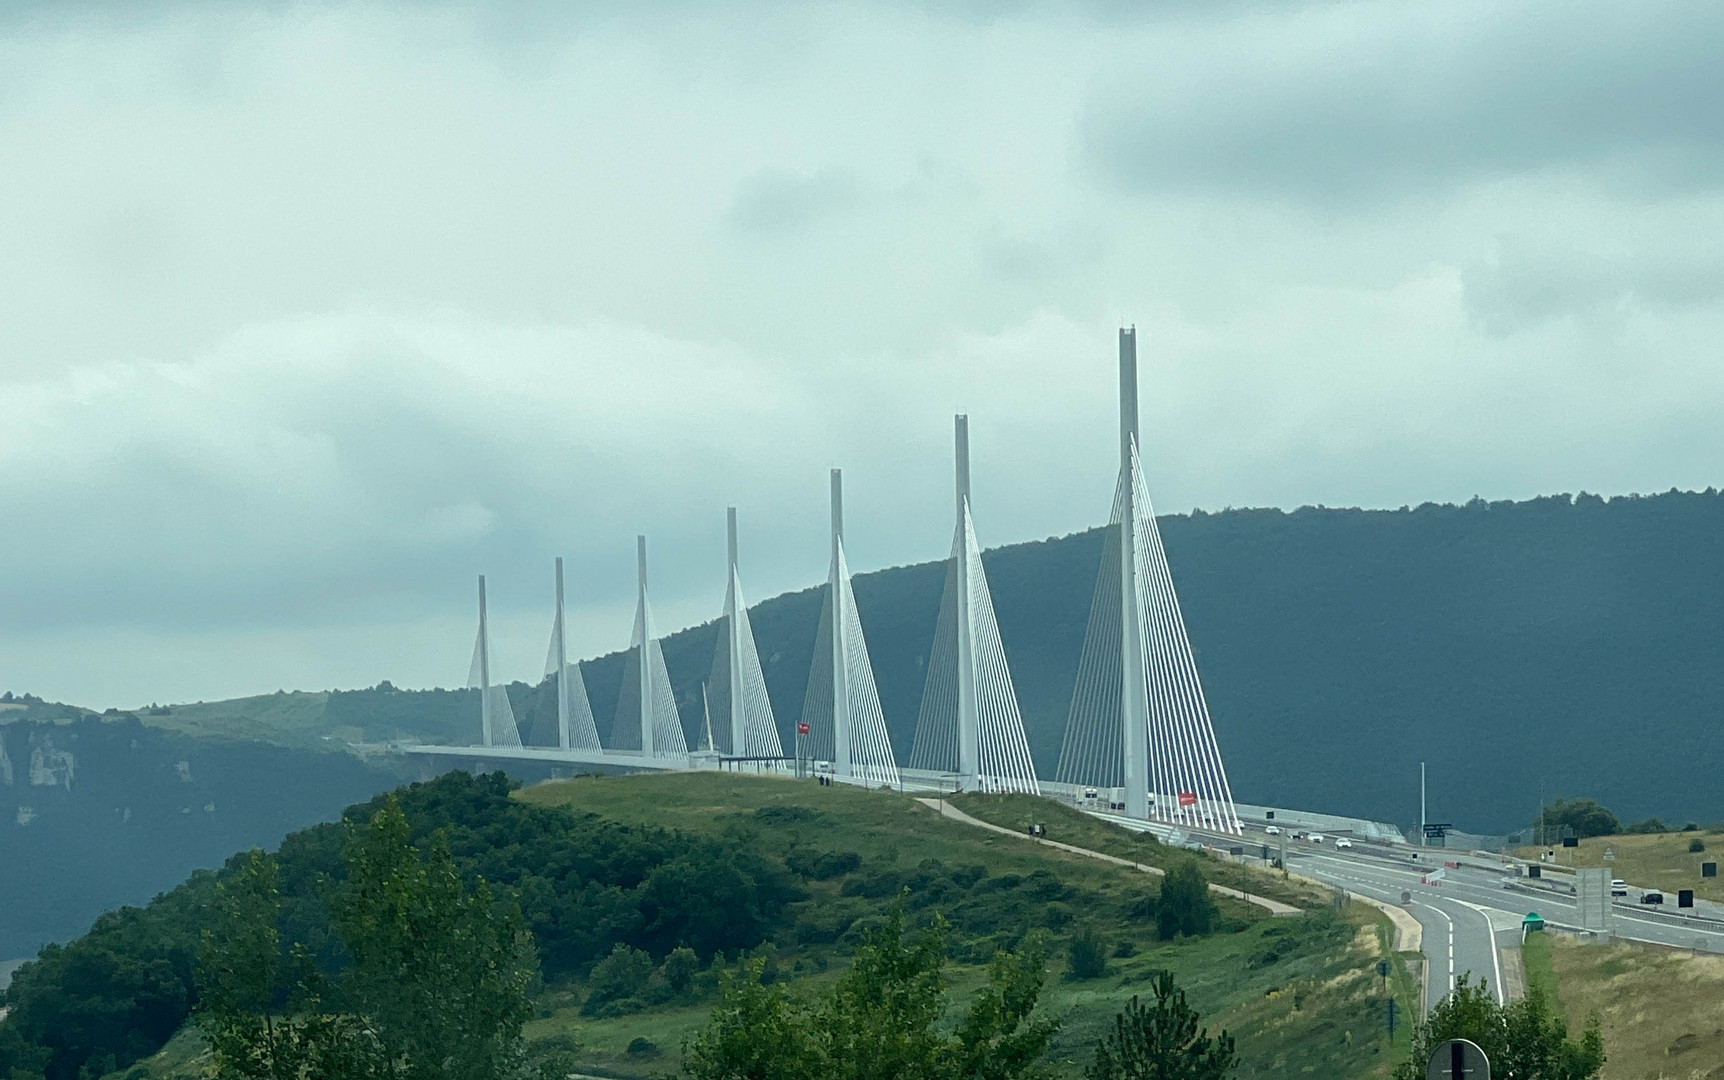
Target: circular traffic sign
(1458, 1059)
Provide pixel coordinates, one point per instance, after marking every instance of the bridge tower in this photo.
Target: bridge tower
(739, 705)
(647, 719)
(842, 705)
(1138, 719)
(496, 718)
(575, 726)
(969, 723)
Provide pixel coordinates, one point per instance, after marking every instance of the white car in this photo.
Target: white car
(1342, 841)
(1272, 830)
(1316, 838)
(1618, 887)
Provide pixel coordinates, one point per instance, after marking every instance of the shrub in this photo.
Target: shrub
(1125, 948)
(1185, 906)
(822, 865)
(680, 968)
(788, 815)
(641, 1047)
(823, 925)
(1696, 844)
(618, 977)
(967, 876)
(872, 886)
(1087, 957)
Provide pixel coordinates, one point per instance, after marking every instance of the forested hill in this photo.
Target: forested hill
(1570, 642)
(1576, 643)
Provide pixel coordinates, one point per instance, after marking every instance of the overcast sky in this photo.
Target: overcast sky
(311, 313)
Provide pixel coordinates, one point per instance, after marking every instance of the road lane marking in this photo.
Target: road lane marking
(1496, 961)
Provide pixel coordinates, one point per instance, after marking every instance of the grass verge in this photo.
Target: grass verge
(1653, 860)
(1661, 1010)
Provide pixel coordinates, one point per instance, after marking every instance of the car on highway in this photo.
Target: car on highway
(1343, 842)
(1272, 830)
(1316, 838)
(1618, 887)
(1652, 896)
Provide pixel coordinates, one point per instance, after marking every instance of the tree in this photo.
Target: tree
(255, 1030)
(1185, 906)
(440, 974)
(618, 977)
(679, 969)
(1524, 1040)
(881, 1021)
(1161, 1041)
(437, 987)
(1577, 817)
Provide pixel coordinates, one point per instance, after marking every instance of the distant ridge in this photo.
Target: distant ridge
(1573, 641)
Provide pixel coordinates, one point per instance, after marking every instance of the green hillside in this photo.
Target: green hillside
(683, 876)
(1565, 642)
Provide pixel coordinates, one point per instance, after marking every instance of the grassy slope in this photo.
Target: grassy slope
(1068, 825)
(1655, 860)
(1313, 1014)
(292, 719)
(1662, 1010)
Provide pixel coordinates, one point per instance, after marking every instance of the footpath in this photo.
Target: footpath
(1274, 907)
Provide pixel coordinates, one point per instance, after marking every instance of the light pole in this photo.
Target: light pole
(1421, 804)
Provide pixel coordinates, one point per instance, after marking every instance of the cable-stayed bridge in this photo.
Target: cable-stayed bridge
(1138, 735)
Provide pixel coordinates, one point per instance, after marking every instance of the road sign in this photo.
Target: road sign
(1609, 855)
(1458, 1059)
(1685, 898)
(801, 727)
(1708, 869)
(1187, 798)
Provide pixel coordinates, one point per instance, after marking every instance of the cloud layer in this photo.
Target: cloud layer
(311, 313)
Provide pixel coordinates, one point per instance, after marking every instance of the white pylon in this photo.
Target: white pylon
(496, 718)
(747, 721)
(842, 706)
(657, 724)
(969, 722)
(1138, 717)
(575, 726)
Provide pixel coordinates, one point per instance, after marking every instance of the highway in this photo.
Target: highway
(1468, 912)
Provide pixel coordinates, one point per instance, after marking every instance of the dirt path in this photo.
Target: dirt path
(1274, 907)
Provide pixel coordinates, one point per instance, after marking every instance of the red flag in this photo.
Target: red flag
(801, 727)
(1187, 798)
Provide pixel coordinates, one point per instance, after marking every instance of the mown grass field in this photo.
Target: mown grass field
(1300, 994)
(1661, 1010)
(1654, 860)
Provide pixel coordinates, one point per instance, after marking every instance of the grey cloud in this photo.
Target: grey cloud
(1527, 281)
(783, 201)
(1377, 101)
